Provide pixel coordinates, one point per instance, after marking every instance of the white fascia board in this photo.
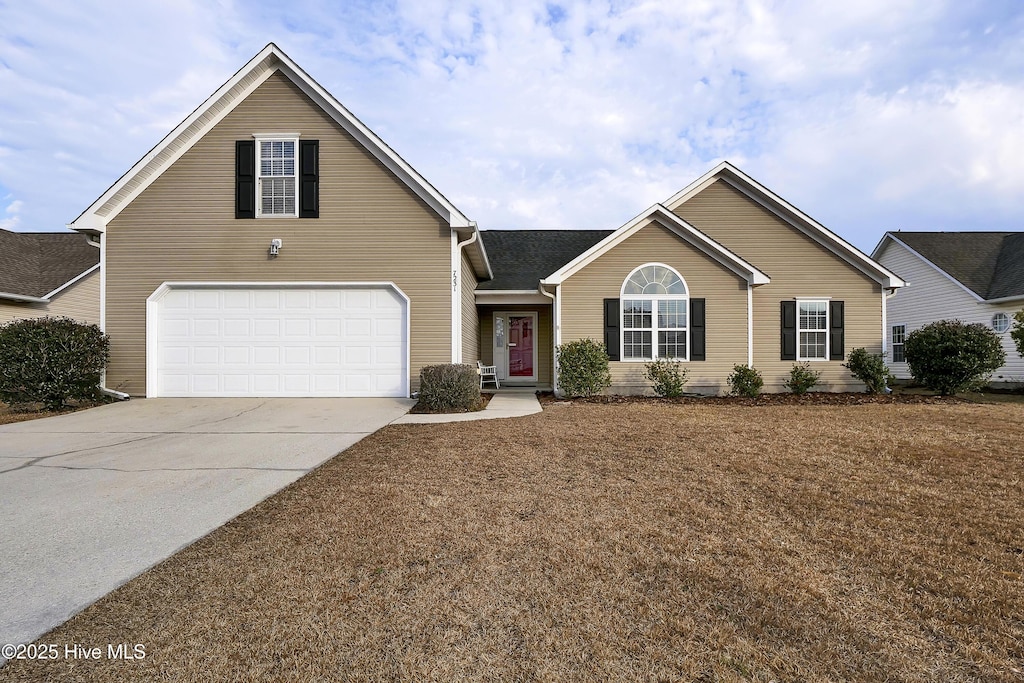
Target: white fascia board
(374, 144)
(71, 282)
(944, 274)
(511, 296)
(681, 228)
(89, 220)
(786, 211)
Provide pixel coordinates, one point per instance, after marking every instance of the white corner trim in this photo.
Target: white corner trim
(750, 326)
(71, 282)
(152, 331)
(660, 214)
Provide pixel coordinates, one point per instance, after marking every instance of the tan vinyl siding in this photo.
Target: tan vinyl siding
(725, 293)
(545, 348)
(372, 228)
(930, 296)
(470, 320)
(798, 267)
(80, 301)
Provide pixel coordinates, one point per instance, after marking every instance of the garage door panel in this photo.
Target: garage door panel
(331, 341)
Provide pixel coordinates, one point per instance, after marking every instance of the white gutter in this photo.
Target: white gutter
(556, 333)
(22, 297)
(457, 293)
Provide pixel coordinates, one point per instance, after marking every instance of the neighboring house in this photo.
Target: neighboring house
(976, 277)
(48, 273)
(272, 245)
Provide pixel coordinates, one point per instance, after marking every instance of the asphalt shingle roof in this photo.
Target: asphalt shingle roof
(36, 263)
(990, 264)
(521, 258)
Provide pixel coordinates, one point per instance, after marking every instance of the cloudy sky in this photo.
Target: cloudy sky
(870, 116)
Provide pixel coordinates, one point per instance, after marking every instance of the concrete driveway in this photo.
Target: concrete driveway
(92, 499)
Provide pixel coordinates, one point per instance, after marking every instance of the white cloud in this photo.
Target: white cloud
(869, 115)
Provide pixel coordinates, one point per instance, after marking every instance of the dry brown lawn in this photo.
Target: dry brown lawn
(608, 542)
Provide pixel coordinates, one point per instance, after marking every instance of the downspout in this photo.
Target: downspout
(555, 324)
(457, 295)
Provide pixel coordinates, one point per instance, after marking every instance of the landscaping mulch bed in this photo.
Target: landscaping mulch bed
(9, 415)
(634, 541)
(812, 398)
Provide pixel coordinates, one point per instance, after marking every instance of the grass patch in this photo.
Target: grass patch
(608, 542)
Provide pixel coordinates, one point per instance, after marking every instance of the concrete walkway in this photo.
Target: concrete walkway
(501, 405)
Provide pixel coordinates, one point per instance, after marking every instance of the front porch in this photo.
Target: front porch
(517, 339)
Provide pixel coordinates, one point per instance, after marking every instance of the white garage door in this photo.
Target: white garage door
(325, 340)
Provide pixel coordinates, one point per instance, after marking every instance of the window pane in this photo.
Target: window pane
(672, 313)
(636, 313)
(812, 345)
(813, 315)
(636, 344)
(277, 196)
(671, 344)
(653, 280)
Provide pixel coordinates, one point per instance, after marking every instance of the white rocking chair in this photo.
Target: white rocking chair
(488, 373)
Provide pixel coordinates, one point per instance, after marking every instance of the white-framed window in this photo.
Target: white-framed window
(655, 305)
(812, 329)
(277, 166)
(898, 339)
(1000, 322)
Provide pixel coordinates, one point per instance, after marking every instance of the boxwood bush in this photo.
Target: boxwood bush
(51, 361)
(801, 378)
(869, 368)
(745, 381)
(951, 356)
(668, 376)
(583, 368)
(450, 388)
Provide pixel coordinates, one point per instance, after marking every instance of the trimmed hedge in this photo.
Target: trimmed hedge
(869, 368)
(745, 381)
(801, 378)
(450, 388)
(51, 361)
(583, 368)
(668, 376)
(950, 356)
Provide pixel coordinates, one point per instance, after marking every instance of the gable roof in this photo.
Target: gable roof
(660, 214)
(36, 265)
(990, 265)
(772, 202)
(268, 61)
(520, 259)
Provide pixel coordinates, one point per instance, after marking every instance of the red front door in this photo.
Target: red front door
(521, 337)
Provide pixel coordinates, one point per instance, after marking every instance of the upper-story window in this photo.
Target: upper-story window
(654, 314)
(1000, 322)
(277, 163)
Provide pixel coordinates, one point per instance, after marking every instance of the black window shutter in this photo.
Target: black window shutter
(611, 328)
(309, 179)
(697, 336)
(836, 337)
(788, 330)
(245, 179)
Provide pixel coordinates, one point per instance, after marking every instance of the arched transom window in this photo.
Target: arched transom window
(654, 307)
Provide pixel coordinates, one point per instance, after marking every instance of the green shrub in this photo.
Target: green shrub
(801, 378)
(51, 361)
(669, 377)
(1017, 333)
(583, 368)
(745, 381)
(869, 368)
(950, 356)
(450, 388)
